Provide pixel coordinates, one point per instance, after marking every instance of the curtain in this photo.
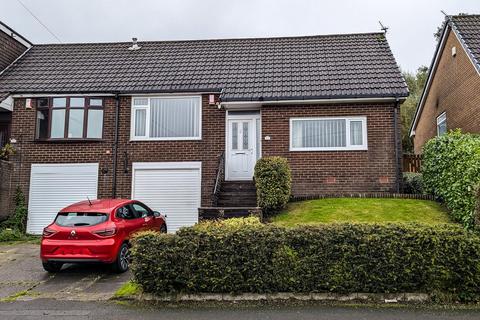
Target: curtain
(356, 135)
(174, 117)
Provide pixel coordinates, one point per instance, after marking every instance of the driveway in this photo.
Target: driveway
(23, 278)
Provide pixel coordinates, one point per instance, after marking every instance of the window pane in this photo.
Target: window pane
(42, 124)
(140, 122)
(95, 124)
(96, 102)
(59, 102)
(77, 102)
(140, 102)
(58, 124)
(234, 135)
(75, 123)
(319, 133)
(356, 134)
(442, 128)
(174, 117)
(258, 137)
(245, 135)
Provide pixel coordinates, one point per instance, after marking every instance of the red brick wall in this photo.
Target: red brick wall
(325, 172)
(455, 90)
(313, 172)
(206, 150)
(10, 49)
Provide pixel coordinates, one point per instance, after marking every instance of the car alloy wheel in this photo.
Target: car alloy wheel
(124, 257)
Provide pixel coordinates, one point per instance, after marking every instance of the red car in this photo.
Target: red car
(96, 231)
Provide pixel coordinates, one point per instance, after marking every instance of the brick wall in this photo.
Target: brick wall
(7, 192)
(206, 150)
(10, 49)
(324, 172)
(454, 90)
(313, 172)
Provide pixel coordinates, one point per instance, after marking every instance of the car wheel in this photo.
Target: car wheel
(163, 228)
(52, 267)
(123, 259)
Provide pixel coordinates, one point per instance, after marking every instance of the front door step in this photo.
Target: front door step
(214, 213)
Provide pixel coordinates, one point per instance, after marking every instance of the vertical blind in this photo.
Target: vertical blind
(319, 133)
(168, 117)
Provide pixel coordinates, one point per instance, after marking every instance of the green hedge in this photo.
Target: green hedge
(451, 170)
(251, 257)
(412, 183)
(273, 180)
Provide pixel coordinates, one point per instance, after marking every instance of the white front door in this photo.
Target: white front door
(241, 148)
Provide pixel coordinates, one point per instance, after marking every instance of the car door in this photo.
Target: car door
(131, 221)
(149, 221)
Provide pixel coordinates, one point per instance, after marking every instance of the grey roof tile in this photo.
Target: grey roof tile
(468, 27)
(331, 66)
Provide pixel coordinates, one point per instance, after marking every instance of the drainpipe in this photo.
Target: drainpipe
(115, 146)
(397, 146)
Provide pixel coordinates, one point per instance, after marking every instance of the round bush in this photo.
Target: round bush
(412, 183)
(273, 180)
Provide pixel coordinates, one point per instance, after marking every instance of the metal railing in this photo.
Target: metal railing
(219, 178)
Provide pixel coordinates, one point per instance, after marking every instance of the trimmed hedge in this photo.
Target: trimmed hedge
(451, 170)
(245, 256)
(273, 180)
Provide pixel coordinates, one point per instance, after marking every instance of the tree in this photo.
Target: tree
(415, 83)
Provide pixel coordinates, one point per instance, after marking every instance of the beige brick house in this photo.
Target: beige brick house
(451, 98)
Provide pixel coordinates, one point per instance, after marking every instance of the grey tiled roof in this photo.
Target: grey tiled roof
(468, 28)
(3, 96)
(331, 66)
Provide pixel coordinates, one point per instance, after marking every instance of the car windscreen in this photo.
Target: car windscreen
(79, 219)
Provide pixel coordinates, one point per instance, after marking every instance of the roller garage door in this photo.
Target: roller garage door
(55, 186)
(172, 188)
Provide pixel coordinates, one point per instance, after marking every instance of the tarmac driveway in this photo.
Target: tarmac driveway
(23, 278)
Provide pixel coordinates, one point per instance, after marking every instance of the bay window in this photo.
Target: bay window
(328, 134)
(69, 118)
(166, 118)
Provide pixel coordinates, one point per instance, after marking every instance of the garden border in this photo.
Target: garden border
(365, 195)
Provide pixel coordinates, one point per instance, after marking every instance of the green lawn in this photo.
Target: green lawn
(362, 211)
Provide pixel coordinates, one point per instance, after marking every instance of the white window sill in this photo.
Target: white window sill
(361, 148)
(167, 139)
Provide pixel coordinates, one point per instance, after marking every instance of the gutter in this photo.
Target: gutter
(115, 146)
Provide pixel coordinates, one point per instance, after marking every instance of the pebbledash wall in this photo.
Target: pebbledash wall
(315, 172)
(454, 90)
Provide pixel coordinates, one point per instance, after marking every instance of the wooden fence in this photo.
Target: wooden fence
(412, 162)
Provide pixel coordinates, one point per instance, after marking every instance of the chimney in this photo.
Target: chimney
(134, 46)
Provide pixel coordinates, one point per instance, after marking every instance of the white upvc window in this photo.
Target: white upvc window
(328, 134)
(166, 118)
(441, 124)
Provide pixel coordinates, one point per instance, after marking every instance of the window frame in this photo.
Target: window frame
(147, 137)
(348, 146)
(442, 118)
(67, 109)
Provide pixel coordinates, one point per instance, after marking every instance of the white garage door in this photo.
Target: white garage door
(172, 188)
(55, 186)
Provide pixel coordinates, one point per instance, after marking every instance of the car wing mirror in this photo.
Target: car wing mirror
(156, 214)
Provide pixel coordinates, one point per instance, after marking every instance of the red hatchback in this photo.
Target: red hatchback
(96, 231)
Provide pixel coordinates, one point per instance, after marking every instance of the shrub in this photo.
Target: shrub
(11, 235)
(412, 183)
(451, 170)
(7, 151)
(477, 209)
(17, 220)
(273, 180)
(341, 258)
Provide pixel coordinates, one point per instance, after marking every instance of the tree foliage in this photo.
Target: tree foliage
(415, 82)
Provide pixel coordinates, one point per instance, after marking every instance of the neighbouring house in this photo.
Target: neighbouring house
(12, 46)
(451, 98)
(179, 125)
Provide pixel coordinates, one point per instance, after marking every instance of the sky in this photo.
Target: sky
(411, 23)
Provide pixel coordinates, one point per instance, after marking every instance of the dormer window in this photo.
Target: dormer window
(69, 118)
